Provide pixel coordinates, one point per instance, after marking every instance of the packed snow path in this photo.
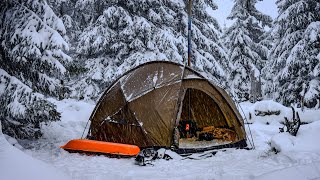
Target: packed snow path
(260, 163)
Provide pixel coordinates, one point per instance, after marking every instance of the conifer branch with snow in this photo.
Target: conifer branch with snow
(33, 63)
(295, 62)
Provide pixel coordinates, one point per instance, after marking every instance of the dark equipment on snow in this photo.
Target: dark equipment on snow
(149, 156)
(146, 156)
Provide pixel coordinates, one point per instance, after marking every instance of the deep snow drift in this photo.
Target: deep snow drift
(295, 154)
(16, 165)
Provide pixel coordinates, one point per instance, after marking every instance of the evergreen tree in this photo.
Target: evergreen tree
(295, 54)
(129, 33)
(32, 63)
(246, 54)
(23, 110)
(266, 76)
(32, 38)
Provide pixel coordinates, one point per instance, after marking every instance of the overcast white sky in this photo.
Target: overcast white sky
(224, 8)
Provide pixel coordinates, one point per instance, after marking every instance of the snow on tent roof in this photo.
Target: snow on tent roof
(133, 86)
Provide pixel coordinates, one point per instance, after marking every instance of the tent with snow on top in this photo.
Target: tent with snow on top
(165, 104)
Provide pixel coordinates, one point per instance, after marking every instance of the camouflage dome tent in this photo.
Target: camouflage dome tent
(144, 106)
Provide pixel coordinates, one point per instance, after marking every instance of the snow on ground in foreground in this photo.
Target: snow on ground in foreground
(300, 172)
(260, 163)
(16, 165)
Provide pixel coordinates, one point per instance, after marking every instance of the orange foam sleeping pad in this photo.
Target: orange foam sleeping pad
(101, 147)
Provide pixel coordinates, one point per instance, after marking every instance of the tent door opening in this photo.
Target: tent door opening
(202, 123)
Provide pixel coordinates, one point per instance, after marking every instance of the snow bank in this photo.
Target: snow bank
(15, 165)
(305, 141)
(252, 111)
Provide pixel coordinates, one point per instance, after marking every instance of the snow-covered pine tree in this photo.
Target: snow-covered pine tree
(32, 37)
(22, 109)
(266, 76)
(295, 54)
(246, 54)
(32, 61)
(129, 33)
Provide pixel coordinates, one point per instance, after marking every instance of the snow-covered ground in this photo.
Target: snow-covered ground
(16, 165)
(298, 157)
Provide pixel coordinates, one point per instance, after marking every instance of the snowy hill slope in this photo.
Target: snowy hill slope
(16, 165)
